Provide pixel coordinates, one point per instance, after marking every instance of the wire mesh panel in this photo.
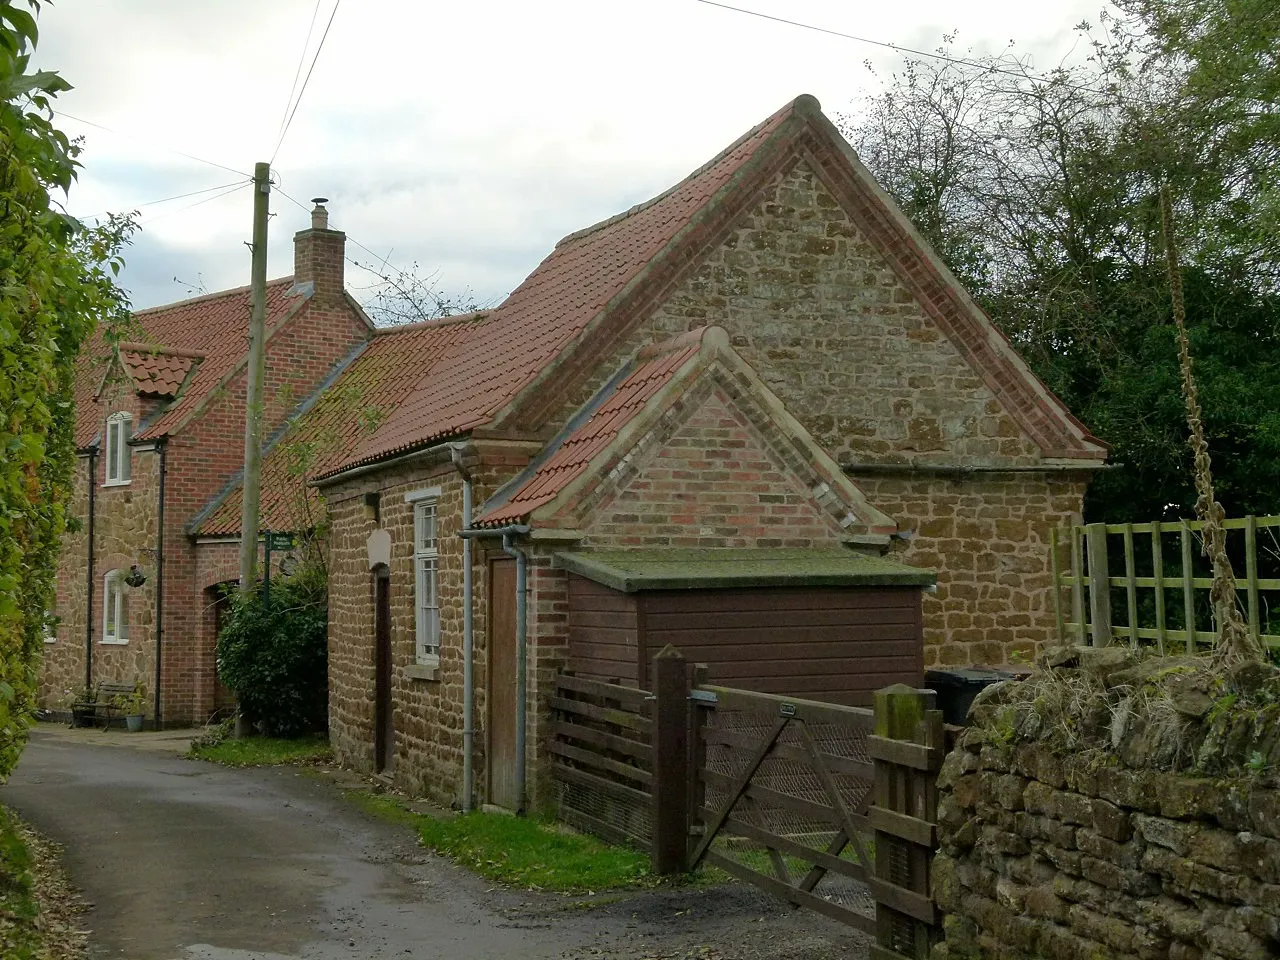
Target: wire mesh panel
(602, 759)
(785, 789)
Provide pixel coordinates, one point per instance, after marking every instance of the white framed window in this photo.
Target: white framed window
(115, 608)
(118, 455)
(426, 582)
(51, 625)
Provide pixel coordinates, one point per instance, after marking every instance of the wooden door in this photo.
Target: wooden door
(502, 684)
(382, 712)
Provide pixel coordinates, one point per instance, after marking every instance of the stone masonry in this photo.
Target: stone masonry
(826, 323)
(1060, 856)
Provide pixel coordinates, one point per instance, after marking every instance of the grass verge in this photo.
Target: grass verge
(519, 851)
(38, 911)
(263, 751)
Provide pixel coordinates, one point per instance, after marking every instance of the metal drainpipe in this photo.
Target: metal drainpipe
(468, 648)
(162, 449)
(522, 659)
(88, 615)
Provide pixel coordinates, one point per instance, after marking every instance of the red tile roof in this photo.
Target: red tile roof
(395, 362)
(574, 454)
(158, 371)
(216, 325)
(551, 307)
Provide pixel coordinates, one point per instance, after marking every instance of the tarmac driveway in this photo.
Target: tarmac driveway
(184, 860)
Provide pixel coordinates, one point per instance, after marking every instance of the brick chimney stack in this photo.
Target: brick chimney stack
(318, 256)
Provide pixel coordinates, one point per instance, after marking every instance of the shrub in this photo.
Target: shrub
(272, 652)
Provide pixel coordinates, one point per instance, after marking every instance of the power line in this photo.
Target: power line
(216, 196)
(298, 72)
(189, 156)
(897, 48)
(297, 103)
(180, 196)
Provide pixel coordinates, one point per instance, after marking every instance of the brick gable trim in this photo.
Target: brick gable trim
(666, 383)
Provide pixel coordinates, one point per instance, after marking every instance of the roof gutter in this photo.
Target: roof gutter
(441, 450)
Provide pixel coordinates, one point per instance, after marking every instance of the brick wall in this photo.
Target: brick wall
(201, 461)
(428, 713)
(825, 322)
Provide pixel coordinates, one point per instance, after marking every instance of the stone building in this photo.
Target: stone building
(160, 438)
(766, 357)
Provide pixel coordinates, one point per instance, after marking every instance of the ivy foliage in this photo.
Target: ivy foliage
(57, 286)
(273, 653)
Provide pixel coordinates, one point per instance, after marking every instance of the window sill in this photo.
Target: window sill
(114, 643)
(50, 639)
(422, 671)
(116, 483)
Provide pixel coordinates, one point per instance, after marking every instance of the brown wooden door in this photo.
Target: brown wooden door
(502, 684)
(382, 723)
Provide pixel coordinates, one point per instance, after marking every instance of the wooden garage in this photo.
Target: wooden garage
(820, 624)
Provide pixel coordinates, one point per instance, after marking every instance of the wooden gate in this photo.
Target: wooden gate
(785, 787)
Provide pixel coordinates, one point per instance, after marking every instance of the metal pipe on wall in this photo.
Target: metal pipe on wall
(161, 450)
(88, 614)
(522, 660)
(468, 645)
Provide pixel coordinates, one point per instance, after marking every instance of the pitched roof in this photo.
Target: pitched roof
(605, 433)
(158, 371)
(554, 304)
(596, 281)
(336, 418)
(215, 326)
(612, 410)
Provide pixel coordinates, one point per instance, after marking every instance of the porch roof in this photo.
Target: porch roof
(631, 571)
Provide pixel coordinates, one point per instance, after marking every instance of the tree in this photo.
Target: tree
(1041, 193)
(57, 280)
(402, 296)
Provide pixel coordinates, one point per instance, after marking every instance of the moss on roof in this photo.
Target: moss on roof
(634, 570)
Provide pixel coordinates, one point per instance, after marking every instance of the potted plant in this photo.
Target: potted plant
(80, 704)
(133, 707)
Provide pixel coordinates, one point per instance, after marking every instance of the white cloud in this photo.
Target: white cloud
(466, 136)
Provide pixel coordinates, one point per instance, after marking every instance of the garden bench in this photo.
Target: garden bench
(103, 707)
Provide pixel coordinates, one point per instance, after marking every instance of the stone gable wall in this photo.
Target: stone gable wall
(1063, 857)
(826, 324)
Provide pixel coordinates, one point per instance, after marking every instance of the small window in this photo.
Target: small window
(426, 558)
(115, 608)
(50, 631)
(118, 452)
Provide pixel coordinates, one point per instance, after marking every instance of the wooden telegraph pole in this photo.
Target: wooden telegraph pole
(253, 391)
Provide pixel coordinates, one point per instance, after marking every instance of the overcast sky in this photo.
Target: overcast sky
(468, 137)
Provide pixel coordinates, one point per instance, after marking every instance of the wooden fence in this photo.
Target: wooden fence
(1161, 598)
(829, 807)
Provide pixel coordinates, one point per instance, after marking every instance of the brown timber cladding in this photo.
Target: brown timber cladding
(832, 644)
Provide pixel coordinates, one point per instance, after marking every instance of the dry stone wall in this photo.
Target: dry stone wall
(1074, 856)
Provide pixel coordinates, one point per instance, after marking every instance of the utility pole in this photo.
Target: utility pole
(254, 378)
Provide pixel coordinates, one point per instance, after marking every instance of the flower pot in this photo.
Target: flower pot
(134, 722)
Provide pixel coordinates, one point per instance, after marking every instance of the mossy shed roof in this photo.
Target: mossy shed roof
(634, 570)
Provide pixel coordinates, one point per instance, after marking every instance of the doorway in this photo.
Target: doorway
(503, 791)
(383, 730)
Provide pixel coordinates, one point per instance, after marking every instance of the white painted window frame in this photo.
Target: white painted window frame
(118, 456)
(51, 625)
(426, 580)
(115, 608)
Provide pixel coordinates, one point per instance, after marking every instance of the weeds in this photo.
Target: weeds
(262, 751)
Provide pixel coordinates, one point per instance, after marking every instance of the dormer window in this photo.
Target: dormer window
(119, 429)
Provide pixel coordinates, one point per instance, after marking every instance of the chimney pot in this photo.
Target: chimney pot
(319, 215)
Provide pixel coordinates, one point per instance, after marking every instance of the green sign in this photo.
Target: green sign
(280, 541)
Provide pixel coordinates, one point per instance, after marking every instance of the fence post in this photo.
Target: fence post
(1099, 583)
(907, 750)
(696, 794)
(671, 676)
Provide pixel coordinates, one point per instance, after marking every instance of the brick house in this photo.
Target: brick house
(160, 436)
(765, 358)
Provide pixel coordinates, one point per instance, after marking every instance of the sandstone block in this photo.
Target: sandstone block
(1165, 833)
(1110, 821)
